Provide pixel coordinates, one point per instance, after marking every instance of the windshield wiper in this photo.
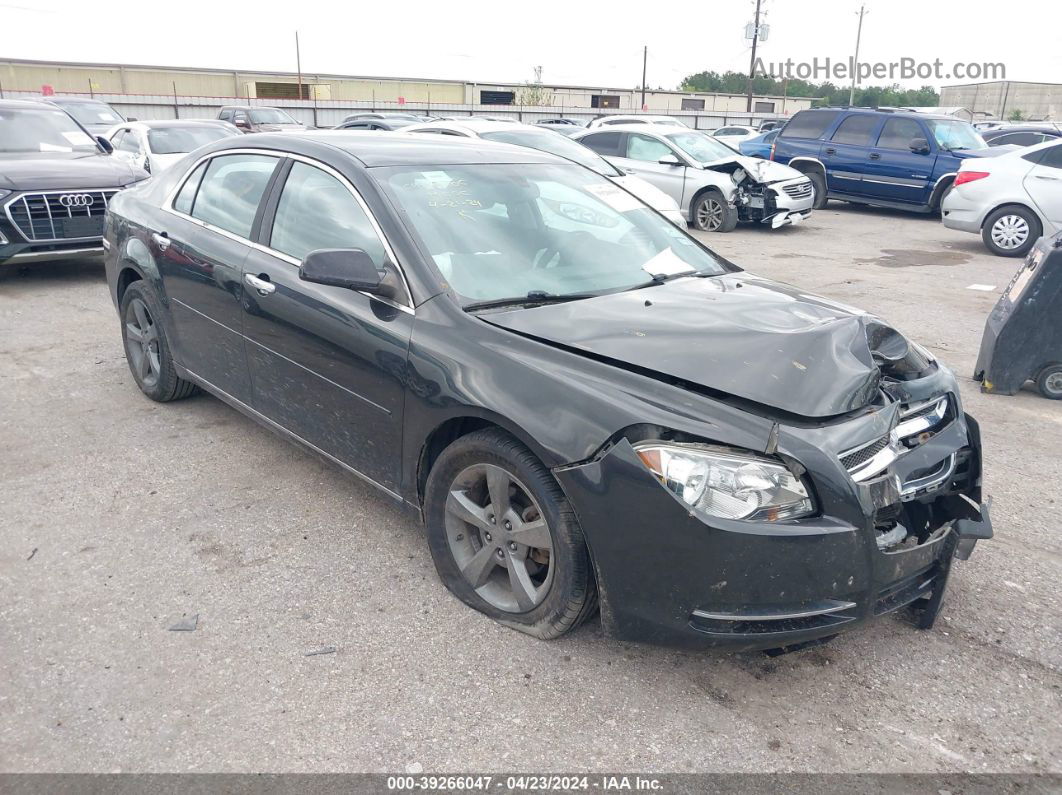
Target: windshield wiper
(533, 298)
(660, 278)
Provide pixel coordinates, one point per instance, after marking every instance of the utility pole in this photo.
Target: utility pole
(855, 62)
(645, 59)
(752, 60)
(298, 62)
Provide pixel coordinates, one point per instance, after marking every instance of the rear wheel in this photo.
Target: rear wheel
(1049, 382)
(504, 539)
(713, 213)
(147, 349)
(1011, 231)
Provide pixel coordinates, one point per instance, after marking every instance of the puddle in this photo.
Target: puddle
(912, 258)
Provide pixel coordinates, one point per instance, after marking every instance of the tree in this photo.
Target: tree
(1016, 115)
(534, 94)
(826, 92)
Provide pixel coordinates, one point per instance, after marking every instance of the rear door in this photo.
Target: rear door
(895, 173)
(846, 154)
(200, 256)
(328, 363)
(1044, 184)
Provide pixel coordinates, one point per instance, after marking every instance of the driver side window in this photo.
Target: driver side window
(318, 211)
(642, 147)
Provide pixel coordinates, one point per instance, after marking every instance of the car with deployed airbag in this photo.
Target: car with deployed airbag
(587, 408)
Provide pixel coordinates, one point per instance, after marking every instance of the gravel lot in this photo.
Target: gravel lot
(120, 518)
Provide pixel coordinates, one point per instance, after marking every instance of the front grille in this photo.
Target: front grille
(798, 190)
(60, 215)
(857, 458)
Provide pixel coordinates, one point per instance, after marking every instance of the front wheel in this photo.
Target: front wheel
(713, 213)
(1011, 231)
(1049, 382)
(504, 539)
(819, 194)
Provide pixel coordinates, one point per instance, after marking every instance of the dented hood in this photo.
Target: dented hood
(759, 169)
(738, 334)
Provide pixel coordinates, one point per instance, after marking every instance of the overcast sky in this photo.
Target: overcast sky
(589, 43)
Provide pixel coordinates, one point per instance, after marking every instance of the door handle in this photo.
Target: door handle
(161, 239)
(831, 151)
(263, 286)
(875, 156)
(1044, 176)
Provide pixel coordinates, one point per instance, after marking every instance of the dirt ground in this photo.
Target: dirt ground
(120, 518)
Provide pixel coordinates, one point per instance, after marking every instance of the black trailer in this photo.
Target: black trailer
(1023, 335)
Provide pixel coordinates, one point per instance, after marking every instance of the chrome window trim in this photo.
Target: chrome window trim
(20, 196)
(171, 197)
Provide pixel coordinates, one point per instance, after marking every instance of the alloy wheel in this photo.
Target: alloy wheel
(499, 538)
(1010, 232)
(1053, 383)
(710, 215)
(142, 343)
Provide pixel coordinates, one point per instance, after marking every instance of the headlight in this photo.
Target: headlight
(3, 193)
(725, 483)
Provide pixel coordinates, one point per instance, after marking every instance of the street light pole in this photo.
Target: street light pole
(752, 60)
(645, 59)
(298, 63)
(855, 61)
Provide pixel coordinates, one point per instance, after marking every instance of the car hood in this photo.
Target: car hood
(279, 127)
(992, 151)
(64, 171)
(737, 334)
(758, 169)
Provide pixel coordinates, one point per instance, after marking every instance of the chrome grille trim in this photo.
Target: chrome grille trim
(872, 458)
(918, 486)
(918, 417)
(41, 228)
(799, 190)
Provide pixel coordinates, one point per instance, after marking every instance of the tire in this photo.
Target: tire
(475, 553)
(818, 186)
(147, 350)
(1011, 231)
(712, 213)
(1049, 382)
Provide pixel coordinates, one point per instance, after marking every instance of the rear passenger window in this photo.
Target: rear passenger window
(317, 211)
(898, 133)
(855, 130)
(1052, 157)
(225, 115)
(185, 199)
(603, 143)
(809, 124)
(230, 191)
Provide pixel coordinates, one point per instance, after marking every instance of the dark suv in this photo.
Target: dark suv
(900, 159)
(56, 181)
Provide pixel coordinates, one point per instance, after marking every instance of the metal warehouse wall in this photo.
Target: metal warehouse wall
(1039, 101)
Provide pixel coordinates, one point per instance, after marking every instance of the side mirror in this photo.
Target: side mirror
(669, 160)
(351, 268)
(920, 146)
(105, 145)
(242, 124)
(132, 118)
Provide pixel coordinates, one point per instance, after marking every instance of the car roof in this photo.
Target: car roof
(159, 123)
(654, 129)
(374, 149)
(910, 114)
(474, 126)
(23, 104)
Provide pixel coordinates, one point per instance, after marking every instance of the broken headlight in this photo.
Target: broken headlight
(727, 483)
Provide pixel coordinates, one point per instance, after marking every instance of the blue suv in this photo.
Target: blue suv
(888, 158)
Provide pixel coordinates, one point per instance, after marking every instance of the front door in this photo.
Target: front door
(642, 158)
(894, 173)
(327, 363)
(200, 257)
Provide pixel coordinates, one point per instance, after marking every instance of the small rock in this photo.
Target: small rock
(414, 768)
(186, 624)
(322, 650)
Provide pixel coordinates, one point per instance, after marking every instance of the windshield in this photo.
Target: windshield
(91, 112)
(955, 134)
(500, 231)
(271, 116)
(178, 140)
(48, 130)
(702, 148)
(549, 141)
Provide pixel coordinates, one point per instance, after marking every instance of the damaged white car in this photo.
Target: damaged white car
(714, 185)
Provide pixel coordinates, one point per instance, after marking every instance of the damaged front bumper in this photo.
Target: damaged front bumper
(884, 541)
(776, 203)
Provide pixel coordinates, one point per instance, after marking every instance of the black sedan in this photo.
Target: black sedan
(1022, 135)
(583, 404)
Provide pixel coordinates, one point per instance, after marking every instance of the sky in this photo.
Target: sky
(577, 43)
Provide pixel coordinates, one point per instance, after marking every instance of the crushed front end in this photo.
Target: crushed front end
(896, 489)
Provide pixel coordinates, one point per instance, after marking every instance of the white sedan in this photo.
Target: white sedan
(156, 145)
(547, 140)
(1011, 200)
(734, 134)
